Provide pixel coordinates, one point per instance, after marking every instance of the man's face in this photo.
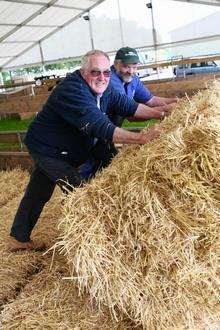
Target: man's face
(97, 74)
(125, 70)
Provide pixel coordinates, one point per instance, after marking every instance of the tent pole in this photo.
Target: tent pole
(1, 78)
(154, 33)
(42, 57)
(87, 18)
(120, 23)
(90, 31)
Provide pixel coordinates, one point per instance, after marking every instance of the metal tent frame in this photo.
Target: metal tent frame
(34, 23)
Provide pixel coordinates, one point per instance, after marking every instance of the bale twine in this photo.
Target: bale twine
(142, 237)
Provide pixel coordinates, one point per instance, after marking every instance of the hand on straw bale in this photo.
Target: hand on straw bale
(124, 136)
(151, 134)
(144, 112)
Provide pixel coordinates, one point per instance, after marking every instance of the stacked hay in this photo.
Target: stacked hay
(16, 269)
(12, 183)
(32, 292)
(48, 302)
(142, 238)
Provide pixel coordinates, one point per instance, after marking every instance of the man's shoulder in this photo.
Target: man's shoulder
(72, 81)
(115, 82)
(74, 76)
(114, 76)
(136, 80)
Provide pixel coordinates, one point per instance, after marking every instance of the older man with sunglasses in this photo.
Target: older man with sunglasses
(125, 80)
(67, 132)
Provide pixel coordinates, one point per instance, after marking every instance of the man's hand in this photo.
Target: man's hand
(126, 137)
(152, 133)
(144, 112)
(165, 110)
(157, 101)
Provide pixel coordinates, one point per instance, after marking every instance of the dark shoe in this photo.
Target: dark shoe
(15, 245)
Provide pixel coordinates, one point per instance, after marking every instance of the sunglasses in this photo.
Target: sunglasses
(97, 73)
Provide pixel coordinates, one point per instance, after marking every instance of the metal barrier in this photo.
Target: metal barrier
(13, 137)
(17, 137)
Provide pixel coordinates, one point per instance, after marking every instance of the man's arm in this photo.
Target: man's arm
(145, 112)
(126, 137)
(157, 101)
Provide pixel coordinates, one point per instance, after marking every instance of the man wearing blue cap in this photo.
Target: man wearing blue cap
(125, 80)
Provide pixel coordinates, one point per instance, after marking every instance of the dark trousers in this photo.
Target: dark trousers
(47, 173)
(101, 156)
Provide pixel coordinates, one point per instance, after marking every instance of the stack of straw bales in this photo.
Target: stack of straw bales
(12, 183)
(48, 302)
(16, 269)
(32, 292)
(142, 237)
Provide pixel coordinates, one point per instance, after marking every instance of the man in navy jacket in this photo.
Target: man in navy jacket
(125, 80)
(67, 132)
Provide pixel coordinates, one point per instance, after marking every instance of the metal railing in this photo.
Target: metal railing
(13, 138)
(17, 138)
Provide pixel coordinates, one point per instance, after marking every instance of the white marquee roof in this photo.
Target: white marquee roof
(45, 31)
(203, 2)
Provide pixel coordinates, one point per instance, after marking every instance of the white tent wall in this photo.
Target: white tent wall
(5, 29)
(185, 29)
(181, 28)
(31, 57)
(203, 48)
(72, 41)
(177, 21)
(106, 26)
(115, 23)
(136, 24)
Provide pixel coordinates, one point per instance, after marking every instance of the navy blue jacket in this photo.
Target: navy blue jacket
(70, 120)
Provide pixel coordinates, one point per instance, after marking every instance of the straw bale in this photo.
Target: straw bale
(17, 269)
(48, 302)
(12, 183)
(143, 236)
(32, 294)
(15, 272)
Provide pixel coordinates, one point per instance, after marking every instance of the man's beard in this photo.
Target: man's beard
(127, 78)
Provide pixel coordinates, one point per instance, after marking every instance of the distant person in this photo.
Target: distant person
(125, 80)
(67, 132)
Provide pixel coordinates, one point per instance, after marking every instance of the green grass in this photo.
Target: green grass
(127, 124)
(9, 147)
(14, 124)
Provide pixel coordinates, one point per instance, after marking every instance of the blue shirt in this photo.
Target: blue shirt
(134, 89)
(70, 120)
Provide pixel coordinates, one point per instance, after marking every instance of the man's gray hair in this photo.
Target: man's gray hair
(85, 60)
